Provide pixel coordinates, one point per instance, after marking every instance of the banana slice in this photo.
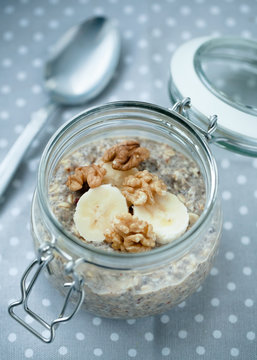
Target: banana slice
(96, 209)
(115, 177)
(168, 216)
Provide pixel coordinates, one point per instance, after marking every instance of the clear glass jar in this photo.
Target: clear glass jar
(125, 285)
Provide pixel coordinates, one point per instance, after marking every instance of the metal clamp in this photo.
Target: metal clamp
(45, 256)
(181, 106)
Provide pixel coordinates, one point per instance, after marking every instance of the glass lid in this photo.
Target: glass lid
(220, 77)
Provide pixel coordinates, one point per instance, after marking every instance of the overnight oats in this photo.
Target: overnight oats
(132, 196)
(137, 215)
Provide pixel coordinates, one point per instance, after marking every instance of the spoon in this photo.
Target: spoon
(82, 63)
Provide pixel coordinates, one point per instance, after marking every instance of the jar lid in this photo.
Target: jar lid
(220, 77)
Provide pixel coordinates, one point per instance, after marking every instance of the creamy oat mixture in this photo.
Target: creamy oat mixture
(178, 172)
(135, 293)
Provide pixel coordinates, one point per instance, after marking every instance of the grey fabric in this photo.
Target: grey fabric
(217, 322)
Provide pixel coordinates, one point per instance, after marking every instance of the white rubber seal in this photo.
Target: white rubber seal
(189, 84)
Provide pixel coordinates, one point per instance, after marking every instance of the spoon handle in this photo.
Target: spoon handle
(13, 158)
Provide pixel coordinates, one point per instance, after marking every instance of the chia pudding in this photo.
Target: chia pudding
(142, 291)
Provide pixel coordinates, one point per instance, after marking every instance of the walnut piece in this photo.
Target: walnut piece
(140, 188)
(92, 175)
(126, 155)
(129, 234)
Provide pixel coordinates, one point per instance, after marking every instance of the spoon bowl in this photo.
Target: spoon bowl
(83, 61)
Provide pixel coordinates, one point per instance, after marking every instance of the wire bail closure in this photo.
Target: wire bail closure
(185, 104)
(45, 256)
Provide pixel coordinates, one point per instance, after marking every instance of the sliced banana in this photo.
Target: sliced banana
(116, 177)
(96, 209)
(168, 216)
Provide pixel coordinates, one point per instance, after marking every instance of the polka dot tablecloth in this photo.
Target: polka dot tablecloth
(220, 320)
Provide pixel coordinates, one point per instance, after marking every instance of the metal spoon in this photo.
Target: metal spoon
(82, 63)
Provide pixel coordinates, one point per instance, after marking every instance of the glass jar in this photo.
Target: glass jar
(125, 285)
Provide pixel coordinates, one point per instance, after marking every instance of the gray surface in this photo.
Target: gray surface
(219, 321)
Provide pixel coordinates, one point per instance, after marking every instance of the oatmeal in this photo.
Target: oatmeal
(167, 280)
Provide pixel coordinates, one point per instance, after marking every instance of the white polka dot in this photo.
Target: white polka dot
(226, 195)
(158, 84)
(3, 143)
(46, 302)
(29, 319)
(99, 11)
(182, 304)
(128, 59)
(200, 23)
(12, 337)
(18, 129)
(68, 11)
(128, 9)
(214, 271)
(246, 34)
(229, 255)
(29, 353)
(245, 240)
(142, 44)
(53, 24)
(80, 336)
(15, 211)
(21, 76)
(131, 321)
(244, 8)
(30, 255)
(243, 210)
(9, 9)
(5, 89)
(14, 241)
(37, 63)
(215, 302)
(156, 7)
(129, 85)
(230, 22)
(38, 36)
(8, 36)
(182, 334)
(171, 21)
(165, 351)
(21, 102)
(96, 321)
(157, 58)
(214, 10)
(156, 33)
(24, 22)
(241, 179)
(171, 47)
(4, 115)
(227, 225)
(250, 335)
(144, 96)
(200, 350)
(185, 10)
(143, 70)
(13, 271)
(232, 319)
(132, 353)
(142, 19)
(62, 350)
(149, 336)
(199, 318)
(216, 334)
(46, 334)
(231, 286)
(248, 302)
(186, 35)
(36, 89)
(234, 352)
(165, 319)
(114, 337)
(22, 50)
(33, 165)
(247, 271)
(128, 34)
(39, 11)
(225, 163)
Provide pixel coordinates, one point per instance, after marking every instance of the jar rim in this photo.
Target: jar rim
(163, 251)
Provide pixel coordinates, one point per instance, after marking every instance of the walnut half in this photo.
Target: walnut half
(92, 175)
(126, 155)
(129, 234)
(140, 188)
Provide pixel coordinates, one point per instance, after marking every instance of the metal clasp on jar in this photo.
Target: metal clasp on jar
(45, 256)
(185, 104)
